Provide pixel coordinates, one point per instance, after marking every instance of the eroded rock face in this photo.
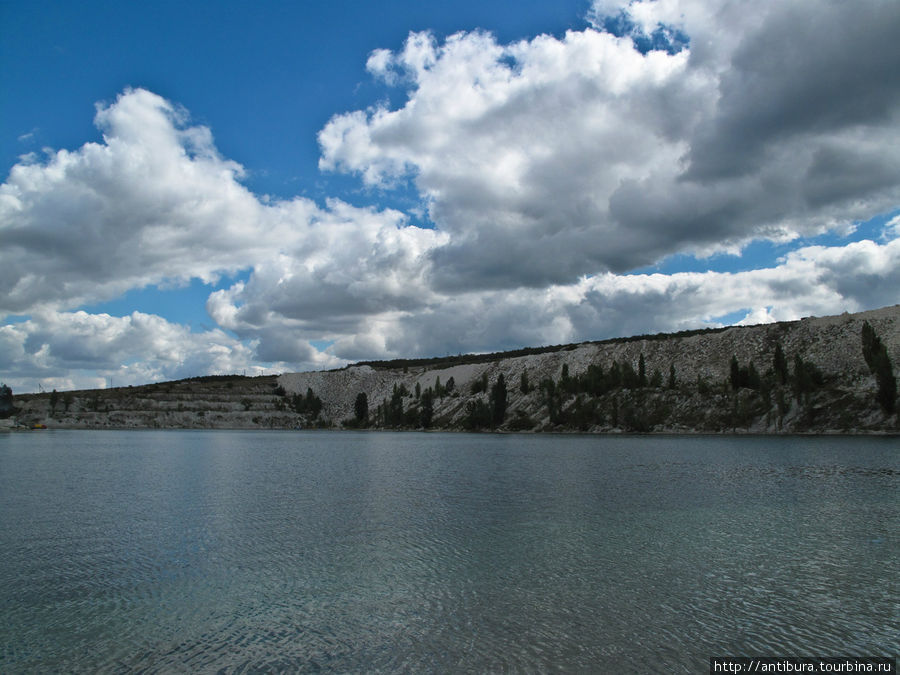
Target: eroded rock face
(703, 397)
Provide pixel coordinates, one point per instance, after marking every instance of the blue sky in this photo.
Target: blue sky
(196, 188)
(264, 76)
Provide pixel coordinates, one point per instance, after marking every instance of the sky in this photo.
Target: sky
(264, 187)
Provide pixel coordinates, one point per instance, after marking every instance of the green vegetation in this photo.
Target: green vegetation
(309, 405)
(640, 390)
(7, 408)
(490, 414)
(478, 415)
(779, 365)
(807, 378)
(876, 356)
(743, 377)
(393, 410)
(498, 401)
(440, 391)
(480, 385)
(361, 408)
(426, 412)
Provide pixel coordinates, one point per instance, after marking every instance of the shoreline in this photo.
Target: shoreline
(498, 432)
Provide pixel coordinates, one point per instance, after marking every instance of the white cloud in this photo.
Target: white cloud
(156, 203)
(96, 348)
(548, 166)
(379, 64)
(892, 228)
(810, 281)
(582, 154)
(140, 348)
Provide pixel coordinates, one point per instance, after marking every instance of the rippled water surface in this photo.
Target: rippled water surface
(245, 552)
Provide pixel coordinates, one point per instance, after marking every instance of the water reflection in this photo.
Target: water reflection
(441, 552)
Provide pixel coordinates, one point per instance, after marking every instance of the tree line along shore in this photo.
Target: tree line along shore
(817, 375)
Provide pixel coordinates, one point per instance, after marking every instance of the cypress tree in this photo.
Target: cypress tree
(361, 407)
(779, 364)
(427, 412)
(735, 375)
(6, 401)
(498, 400)
(876, 356)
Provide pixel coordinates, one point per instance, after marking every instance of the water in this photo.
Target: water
(246, 551)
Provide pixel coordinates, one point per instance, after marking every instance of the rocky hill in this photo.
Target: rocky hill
(800, 376)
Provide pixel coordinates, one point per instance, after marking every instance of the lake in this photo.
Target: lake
(201, 551)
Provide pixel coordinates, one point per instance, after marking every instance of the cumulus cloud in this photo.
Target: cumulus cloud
(586, 153)
(549, 168)
(156, 203)
(812, 280)
(66, 350)
(139, 348)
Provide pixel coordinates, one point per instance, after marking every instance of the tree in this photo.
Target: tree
(524, 387)
(310, 405)
(593, 381)
(735, 374)
(614, 377)
(779, 364)
(642, 371)
(426, 412)
(806, 377)
(754, 381)
(876, 356)
(743, 376)
(6, 401)
(481, 384)
(629, 377)
(564, 377)
(54, 399)
(478, 414)
(498, 400)
(450, 386)
(394, 412)
(672, 382)
(552, 399)
(361, 407)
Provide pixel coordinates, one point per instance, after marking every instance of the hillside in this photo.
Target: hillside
(723, 380)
